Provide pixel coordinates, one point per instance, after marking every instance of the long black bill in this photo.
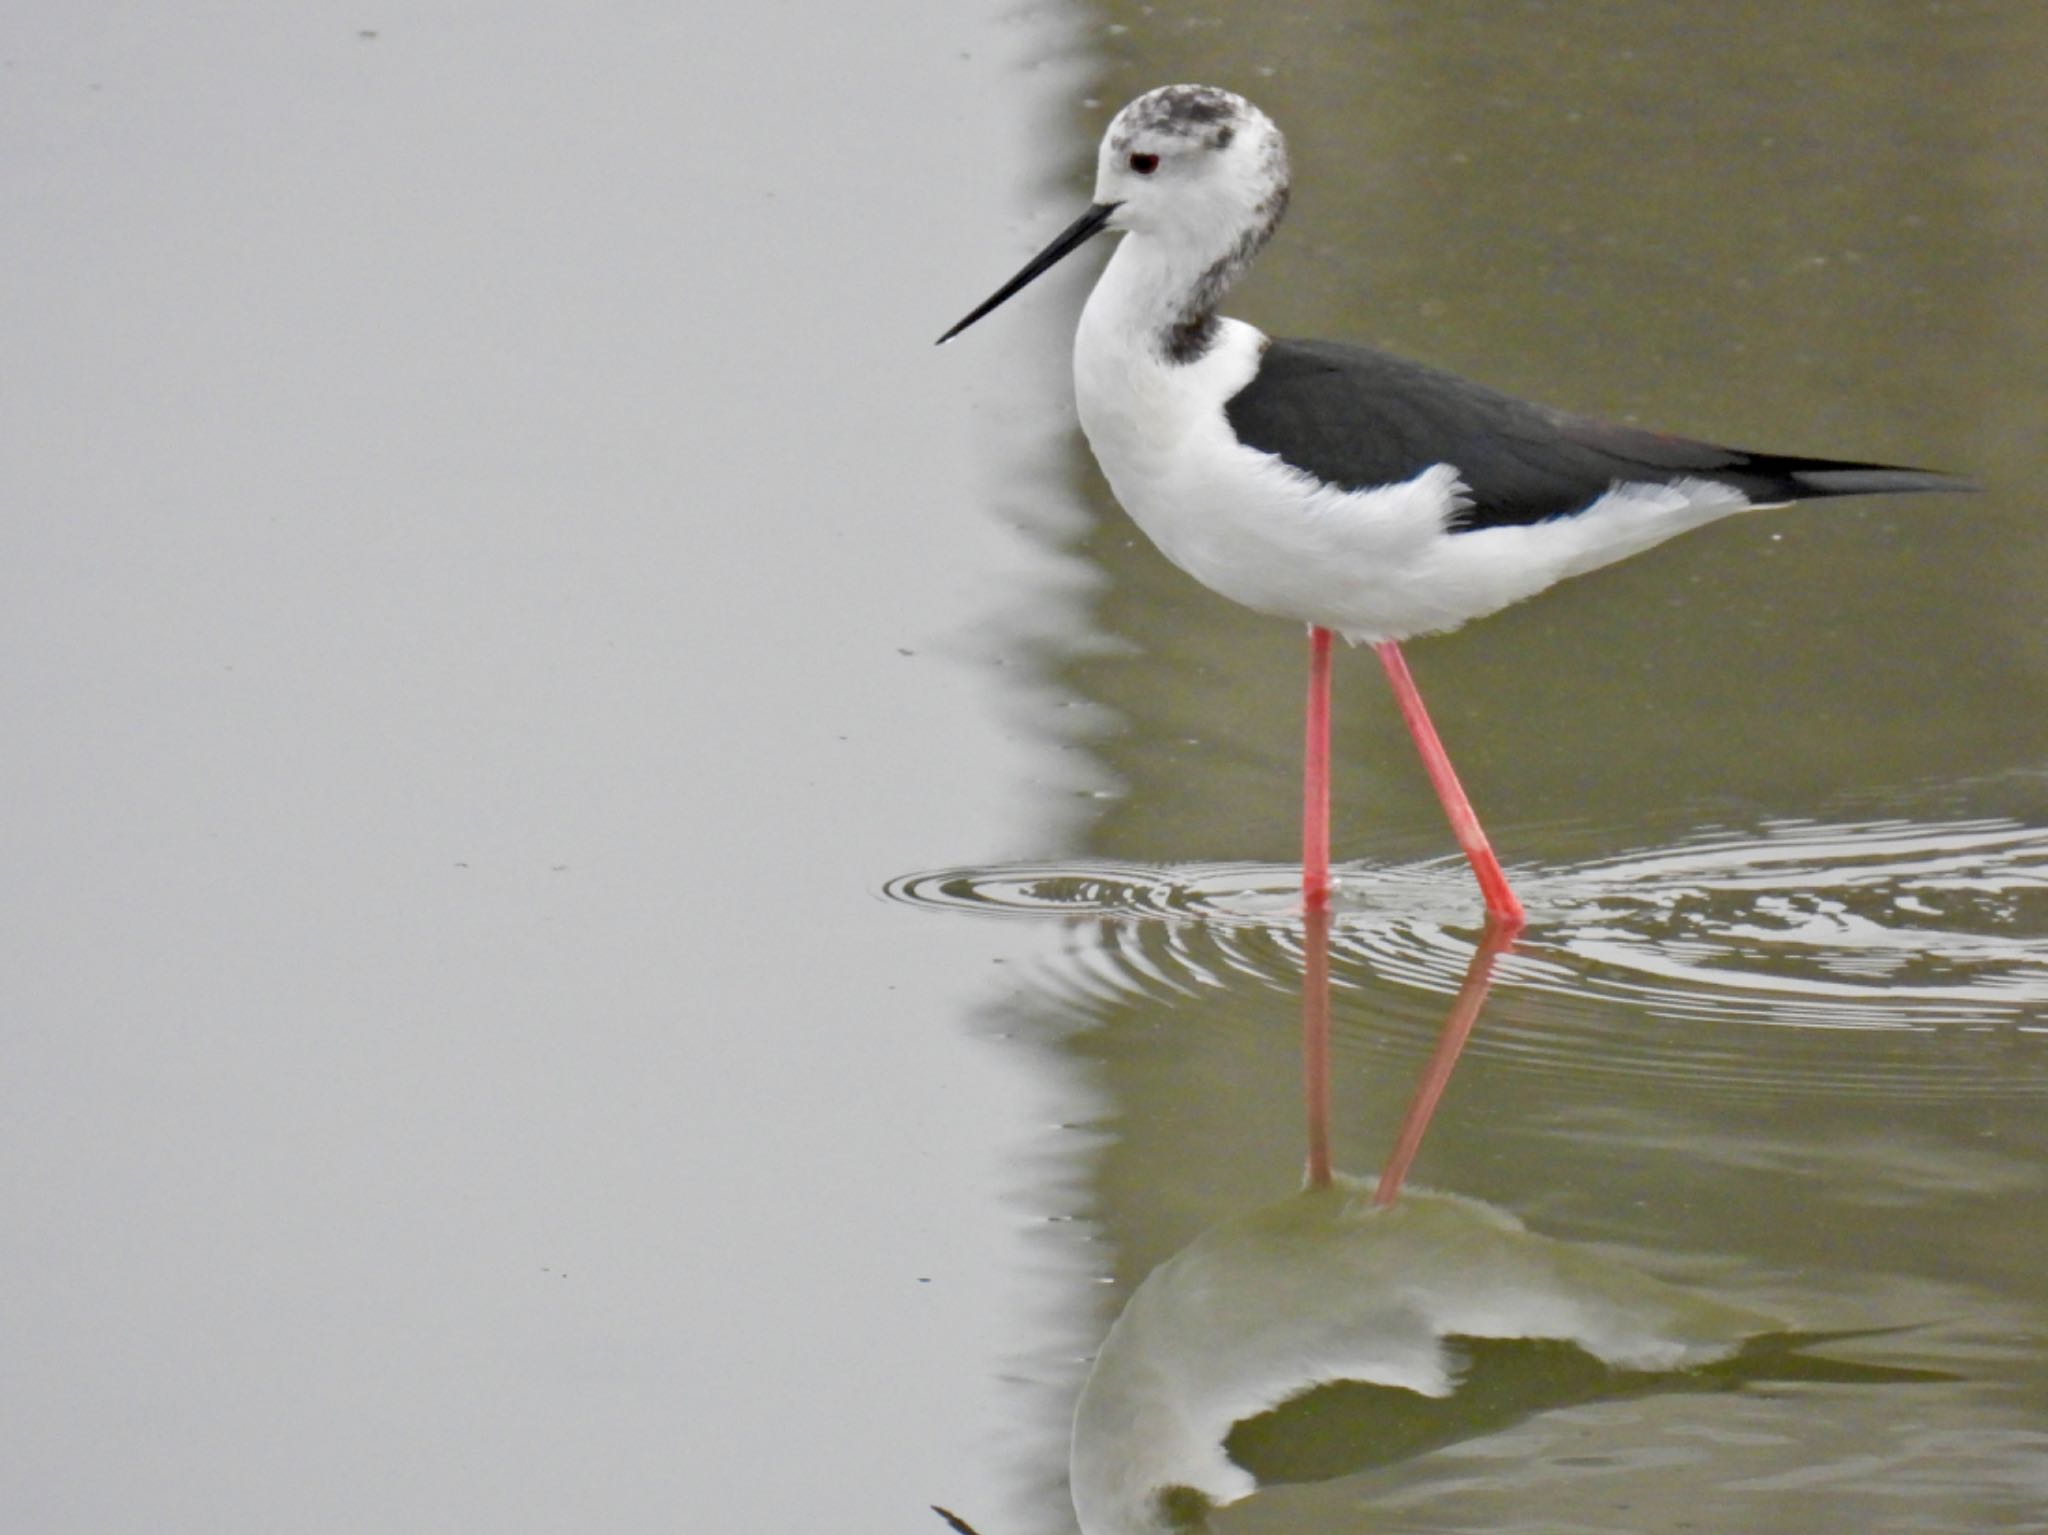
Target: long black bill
(1071, 239)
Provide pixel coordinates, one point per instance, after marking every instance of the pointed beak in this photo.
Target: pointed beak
(1071, 239)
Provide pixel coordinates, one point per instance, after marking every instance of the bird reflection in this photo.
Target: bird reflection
(1363, 1322)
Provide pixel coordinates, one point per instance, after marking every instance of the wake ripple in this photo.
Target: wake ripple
(1884, 924)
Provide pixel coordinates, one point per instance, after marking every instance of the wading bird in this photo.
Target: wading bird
(1347, 489)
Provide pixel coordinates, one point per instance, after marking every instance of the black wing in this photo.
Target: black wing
(1360, 418)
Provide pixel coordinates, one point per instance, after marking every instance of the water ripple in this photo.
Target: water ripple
(1884, 924)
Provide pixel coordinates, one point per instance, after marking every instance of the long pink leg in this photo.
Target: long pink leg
(1315, 778)
(1501, 904)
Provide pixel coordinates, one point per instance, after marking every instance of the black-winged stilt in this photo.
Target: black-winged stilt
(1336, 485)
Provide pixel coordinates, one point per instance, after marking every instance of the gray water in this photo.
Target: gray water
(530, 681)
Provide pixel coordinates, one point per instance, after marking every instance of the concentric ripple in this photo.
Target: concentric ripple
(1877, 924)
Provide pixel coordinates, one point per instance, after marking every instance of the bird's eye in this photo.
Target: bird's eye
(1144, 165)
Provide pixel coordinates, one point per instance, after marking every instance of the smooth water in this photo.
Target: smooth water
(633, 905)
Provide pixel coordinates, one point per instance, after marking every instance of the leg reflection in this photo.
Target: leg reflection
(1429, 1087)
(1315, 1041)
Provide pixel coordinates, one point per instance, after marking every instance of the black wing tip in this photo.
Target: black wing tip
(1880, 480)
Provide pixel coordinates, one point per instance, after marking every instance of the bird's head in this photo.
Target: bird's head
(1196, 164)
(1198, 168)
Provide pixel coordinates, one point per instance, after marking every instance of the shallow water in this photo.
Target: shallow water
(1797, 1070)
(1877, 925)
(530, 680)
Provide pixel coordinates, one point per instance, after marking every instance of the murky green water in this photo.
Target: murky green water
(1778, 1032)
(1798, 1073)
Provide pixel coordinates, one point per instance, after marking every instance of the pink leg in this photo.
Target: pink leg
(1501, 905)
(1315, 778)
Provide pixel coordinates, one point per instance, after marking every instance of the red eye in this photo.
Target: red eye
(1144, 165)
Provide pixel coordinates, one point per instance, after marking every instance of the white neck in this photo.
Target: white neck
(1155, 293)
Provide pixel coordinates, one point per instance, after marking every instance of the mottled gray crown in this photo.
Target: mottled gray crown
(1183, 111)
